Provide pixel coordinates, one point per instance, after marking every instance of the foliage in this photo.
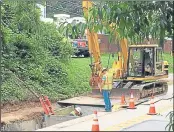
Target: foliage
(33, 51)
(167, 57)
(170, 126)
(132, 20)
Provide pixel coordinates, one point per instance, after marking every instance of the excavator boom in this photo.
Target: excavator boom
(94, 49)
(119, 67)
(92, 37)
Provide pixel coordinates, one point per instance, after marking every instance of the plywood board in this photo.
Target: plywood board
(90, 101)
(85, 100)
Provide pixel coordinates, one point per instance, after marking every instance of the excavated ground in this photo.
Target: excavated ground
(21, 111)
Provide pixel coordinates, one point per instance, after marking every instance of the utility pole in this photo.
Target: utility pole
(45, 6)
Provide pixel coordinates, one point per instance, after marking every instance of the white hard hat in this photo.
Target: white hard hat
(78, 109)
(104, 69)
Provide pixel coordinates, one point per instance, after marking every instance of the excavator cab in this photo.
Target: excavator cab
(146, 61)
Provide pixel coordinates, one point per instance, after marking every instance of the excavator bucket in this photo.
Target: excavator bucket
(141, 90)
(116, 93)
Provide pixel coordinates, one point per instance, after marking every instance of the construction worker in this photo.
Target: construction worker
(105, 88)
(76, 112)
(148, 69)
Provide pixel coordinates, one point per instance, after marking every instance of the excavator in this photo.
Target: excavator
(138, 69)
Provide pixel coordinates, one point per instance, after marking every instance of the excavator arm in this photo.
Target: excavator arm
(119, 67)
(94, 49)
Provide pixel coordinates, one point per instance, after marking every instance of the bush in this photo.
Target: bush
(37, 54)
(32, 60)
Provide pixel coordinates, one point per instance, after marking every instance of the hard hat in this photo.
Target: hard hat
(78, 109)
(104, 69)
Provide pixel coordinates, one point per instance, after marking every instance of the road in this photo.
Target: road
(156, 123)
(123, 120)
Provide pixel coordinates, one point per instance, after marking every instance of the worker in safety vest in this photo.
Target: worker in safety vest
(76, 112)
(105, 88)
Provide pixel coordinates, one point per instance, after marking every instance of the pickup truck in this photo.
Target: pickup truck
(80, 47)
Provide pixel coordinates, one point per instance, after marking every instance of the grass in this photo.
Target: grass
(79, 72)
(167, 57)
(80, 66)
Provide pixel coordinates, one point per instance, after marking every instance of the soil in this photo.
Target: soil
(21, 111)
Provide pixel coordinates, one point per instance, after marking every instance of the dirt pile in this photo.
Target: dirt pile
(21, 111)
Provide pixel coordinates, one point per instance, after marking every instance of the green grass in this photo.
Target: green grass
(80, 66)
(167, 57)
(79, 73)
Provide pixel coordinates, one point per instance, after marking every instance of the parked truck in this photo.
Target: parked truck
(80, 47)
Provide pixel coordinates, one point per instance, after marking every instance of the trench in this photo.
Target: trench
(61, 115)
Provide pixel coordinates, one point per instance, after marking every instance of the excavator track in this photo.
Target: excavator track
(155, 88)
(140, 91)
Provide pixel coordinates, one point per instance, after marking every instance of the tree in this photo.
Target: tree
(135, 21)
(21, 17)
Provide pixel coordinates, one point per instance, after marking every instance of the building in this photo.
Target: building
(43, 14)
(107, 47)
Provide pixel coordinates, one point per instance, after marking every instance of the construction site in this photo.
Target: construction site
(99, 66)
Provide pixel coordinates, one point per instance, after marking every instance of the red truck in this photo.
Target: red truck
(80, 47)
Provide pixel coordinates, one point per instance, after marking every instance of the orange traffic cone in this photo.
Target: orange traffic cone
(131, 102)
(95, 125)
(123, 101)
(152, 110)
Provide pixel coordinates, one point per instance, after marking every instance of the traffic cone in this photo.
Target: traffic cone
(131, 102)
(95, 125)
(123, 101)
(152, 110)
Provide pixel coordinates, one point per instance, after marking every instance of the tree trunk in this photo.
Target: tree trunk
(161, 43)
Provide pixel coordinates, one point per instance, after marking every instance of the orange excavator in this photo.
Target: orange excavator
(139, 68)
